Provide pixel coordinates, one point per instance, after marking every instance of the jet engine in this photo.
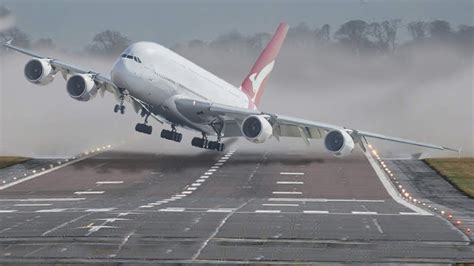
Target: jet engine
(39, 71)
(81, 87)
(339, 143)
(256, 128)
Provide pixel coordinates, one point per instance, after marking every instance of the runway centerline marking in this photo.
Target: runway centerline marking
(108, 182)
(363, 212)
(280, 205)
(51, 210)
(7, 211)
(323, 200)
(44, 199)
(315, 212)
(290, 183)
(267, 211)
(287, 192)
(172, 210)
(89, 192)
(32, 204)
(291, 173)
(100, 210)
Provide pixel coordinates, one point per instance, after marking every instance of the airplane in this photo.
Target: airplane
(165, 86)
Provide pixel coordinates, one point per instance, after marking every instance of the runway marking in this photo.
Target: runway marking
(409, 213)
(108, 182)
(192, 188)
(32, 204)
(187, 192)
(172, 210)
(7, 211)
(51, 210)
(195, 184)
(220, 210)
(66, 223)
(214, 167)
(180, 195)
(287, 192)
(290, 182)
(280, 205)
(267, 211)
(212, 170)
(291, 173)
(208, 173)
(315, 212)
(390, 188)
(222, 161)
(146, 206)
(200, 180)
(100, 210)
(35, 175)
(44, 199)
(218, 164)
(323, 200)
(89, 192)
(204, 177)
(364, 213)
(379, 228)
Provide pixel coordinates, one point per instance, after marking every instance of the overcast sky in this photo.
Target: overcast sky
(73, 23)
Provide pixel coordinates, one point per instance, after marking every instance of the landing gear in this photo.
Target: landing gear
(144, 128)
(120, 107)
(172, 134)
(205, 144)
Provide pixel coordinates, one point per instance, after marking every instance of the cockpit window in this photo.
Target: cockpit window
(136, 59)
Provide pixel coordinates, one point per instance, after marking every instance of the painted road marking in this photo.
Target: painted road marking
(187, 192)
(267, 211)
(195, 184)
(287, 192)
(89, 192)
(212, 170)
(220, 210)
(280, 205)
(200, 180)
(172, 210)
(51, 210)
(44, 199)
(291, 173)
(208, 173)
(409, 213)
(100, 210)
(363, 213)
(315, 212)
(192, 188)
(108, 182)
(322, 200)
(214, 167)
(7, 211)
(290, 182)
(32, 204)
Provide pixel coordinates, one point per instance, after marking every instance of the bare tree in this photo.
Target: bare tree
(391, 28)
(108, 43)
(354, 34)
(440, 29)
(417, 29)
(324, 34)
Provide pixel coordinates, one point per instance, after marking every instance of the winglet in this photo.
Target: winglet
(9, 42)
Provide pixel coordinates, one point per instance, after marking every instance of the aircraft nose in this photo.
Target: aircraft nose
(118, 73)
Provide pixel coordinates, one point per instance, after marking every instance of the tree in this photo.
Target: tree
(324, 33)
(108, 43)
(391, 27)
(440, 29)
(354, 34)
(417, 29)
(18, 37)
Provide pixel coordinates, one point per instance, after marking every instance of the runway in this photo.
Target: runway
(268, 205)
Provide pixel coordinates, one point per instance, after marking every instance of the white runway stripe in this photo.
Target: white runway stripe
(315, 212)
(100, 210)
(290, 182)
(220, 210)
(195, 184)
(44, 199)
(291, 173)
(322, 200)
(172, 210)
(108, 182)
(267, 211)
(409, 213)
(89, 192)
(363, 213)
(187, 192)
(287, 192)
(7, 211)
(33, 204)
(280, 205)
(51, 210)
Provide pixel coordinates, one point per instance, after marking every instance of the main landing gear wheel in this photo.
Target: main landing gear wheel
(120, 108)
(144, 128)
(205, 144)
(171, 135)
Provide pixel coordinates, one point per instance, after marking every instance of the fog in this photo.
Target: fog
(424, 92)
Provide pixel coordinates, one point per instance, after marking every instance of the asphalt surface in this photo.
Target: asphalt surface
(261, 205)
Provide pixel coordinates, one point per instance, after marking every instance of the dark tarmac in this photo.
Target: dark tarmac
(246, 206)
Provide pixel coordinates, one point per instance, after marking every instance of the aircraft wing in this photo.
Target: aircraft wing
(103, 82)
(285, 126)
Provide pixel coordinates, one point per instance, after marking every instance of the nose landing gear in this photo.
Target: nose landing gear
(120, 107)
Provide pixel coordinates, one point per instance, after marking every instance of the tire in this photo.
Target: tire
(116, 108)
(178, 137)
(221, 146)
(122, 109)
(149, 129)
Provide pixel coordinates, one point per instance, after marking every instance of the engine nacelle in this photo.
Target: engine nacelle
(39, 71)
(256, 128)
(339, 143)
(81, 87)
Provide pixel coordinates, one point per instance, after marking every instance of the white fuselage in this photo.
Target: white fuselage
(159, 77)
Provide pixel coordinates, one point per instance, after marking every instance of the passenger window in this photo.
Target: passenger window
(129, 57)
(124, 55)
(138, 60)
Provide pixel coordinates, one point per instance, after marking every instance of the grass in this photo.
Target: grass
(460, 172)
(6, 161)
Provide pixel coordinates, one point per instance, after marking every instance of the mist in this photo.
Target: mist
(422, 92)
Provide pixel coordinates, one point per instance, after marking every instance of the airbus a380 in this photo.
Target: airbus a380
(171, 89)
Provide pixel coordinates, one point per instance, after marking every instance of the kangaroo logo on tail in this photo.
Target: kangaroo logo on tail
(257, 78)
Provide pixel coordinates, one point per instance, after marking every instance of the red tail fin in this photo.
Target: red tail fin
(254, 83)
